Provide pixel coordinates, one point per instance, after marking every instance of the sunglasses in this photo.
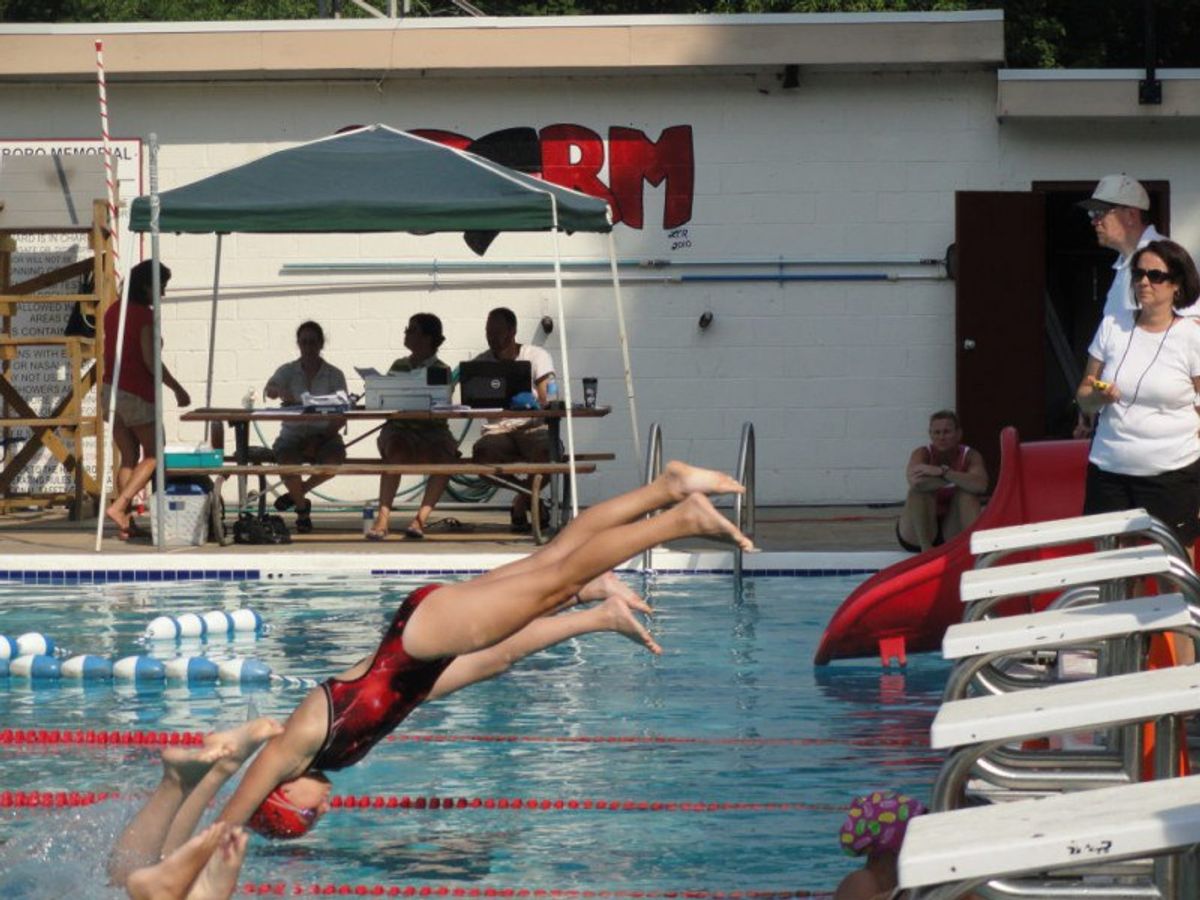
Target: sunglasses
(1095, 215)
(1154, 276)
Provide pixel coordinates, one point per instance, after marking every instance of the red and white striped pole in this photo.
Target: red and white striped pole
(114, 227)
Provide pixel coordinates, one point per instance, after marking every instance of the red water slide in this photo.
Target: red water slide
(909, 606)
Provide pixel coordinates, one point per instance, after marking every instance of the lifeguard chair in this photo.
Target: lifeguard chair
(63, 196)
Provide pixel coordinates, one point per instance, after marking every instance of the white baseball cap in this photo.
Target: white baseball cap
(1117, 190)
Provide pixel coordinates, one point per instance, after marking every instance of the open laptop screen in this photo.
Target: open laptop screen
(485, 384)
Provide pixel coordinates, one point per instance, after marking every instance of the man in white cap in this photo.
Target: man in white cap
(1119, 211)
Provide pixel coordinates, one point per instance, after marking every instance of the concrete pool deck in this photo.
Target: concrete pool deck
(781, 529)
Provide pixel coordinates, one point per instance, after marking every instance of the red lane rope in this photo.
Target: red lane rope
(282, 888)
(59, 799)
(43, 736)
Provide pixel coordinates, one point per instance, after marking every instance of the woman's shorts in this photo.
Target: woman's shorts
(132, 410)
(1172, 497)
(417, 444)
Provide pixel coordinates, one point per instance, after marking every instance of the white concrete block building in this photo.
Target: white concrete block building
(798, 177)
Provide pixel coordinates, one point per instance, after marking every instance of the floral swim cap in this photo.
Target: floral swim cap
(876, 822)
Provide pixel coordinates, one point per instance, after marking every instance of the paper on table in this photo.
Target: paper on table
(450, 407)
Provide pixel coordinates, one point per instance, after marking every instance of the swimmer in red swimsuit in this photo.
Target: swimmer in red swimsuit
(445, 637)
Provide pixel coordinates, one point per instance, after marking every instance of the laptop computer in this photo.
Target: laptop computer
(491, 384)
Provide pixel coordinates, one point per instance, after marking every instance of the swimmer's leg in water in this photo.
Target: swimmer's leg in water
(191, 777)
(463, 618)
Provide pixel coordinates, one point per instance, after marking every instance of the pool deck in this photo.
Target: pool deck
(784, 529)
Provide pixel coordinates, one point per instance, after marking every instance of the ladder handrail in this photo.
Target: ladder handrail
(743, 504)
(653, 469)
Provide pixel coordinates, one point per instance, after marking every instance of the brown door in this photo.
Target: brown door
(1000, 288)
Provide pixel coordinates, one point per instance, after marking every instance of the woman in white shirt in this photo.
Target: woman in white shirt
(1142, 376)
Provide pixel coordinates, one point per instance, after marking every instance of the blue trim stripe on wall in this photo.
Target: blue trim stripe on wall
(106, 576)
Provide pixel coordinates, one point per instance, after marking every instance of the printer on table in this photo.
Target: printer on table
(419, 389)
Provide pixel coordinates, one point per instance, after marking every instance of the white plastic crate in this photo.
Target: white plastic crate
(186, 516)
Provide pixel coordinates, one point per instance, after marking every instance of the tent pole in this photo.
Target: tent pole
(212, 330)
(624, 337)
(160, 474)
(566, 364)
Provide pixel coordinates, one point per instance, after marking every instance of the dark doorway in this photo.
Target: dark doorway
(1078, 275)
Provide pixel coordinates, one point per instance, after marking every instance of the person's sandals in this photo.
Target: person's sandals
(414, 533)
(376, 535)
(284, 502)
(304, 523)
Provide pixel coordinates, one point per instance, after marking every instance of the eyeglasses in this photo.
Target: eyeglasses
(1154, 276)
(1095, 215)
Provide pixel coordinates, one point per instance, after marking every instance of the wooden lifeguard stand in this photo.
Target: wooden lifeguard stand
(55, 195)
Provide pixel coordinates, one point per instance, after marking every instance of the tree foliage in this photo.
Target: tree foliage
(1038, 33)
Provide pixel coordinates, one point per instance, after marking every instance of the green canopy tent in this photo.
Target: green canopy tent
(373, 178)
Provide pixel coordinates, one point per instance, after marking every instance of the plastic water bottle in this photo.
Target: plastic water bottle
(368, 517)
(248, 399)
(552, 401)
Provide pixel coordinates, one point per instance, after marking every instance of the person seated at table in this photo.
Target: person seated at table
(415, 442)
(515, 440)
(304, 442)
(946, 480)
(133, 422)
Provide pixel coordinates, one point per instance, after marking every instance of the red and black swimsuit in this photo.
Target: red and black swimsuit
(364, 711)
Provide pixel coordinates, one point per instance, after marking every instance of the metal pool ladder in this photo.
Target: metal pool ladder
(743, 504)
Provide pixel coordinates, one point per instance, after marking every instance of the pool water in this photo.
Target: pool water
(746, 717)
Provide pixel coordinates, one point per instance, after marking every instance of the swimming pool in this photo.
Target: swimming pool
(732, 715)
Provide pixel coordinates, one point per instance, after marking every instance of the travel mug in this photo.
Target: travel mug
(589, 392)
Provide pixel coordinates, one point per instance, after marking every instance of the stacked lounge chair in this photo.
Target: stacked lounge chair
(1049, 788)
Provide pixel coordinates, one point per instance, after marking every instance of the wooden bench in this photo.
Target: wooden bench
(946, 854)
(503, 474)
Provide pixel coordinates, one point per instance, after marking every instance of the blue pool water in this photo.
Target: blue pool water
(735, 679)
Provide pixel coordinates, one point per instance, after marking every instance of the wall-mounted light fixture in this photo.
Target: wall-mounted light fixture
(706, 319)
(547, 324)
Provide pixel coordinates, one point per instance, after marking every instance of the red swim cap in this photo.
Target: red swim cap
(280, 819)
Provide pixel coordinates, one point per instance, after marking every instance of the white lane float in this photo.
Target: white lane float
(211, 624)
(191, 669)
(86, 667)
(34, 643)
(35, 666)
(244, 671)
(8, 647)
(138, 668)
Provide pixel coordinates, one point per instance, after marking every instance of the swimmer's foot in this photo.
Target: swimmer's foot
(618, 617)
(242, 741)
(172, 878)
(218, 879)
(607, 585)
(703, 519)
(682, 479)
(187, 765)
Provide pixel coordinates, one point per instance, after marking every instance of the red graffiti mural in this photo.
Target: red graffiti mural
(574, 156)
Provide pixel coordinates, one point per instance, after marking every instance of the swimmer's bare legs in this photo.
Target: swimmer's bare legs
(185, 769)
(218, 879)
(678, 479)
(615, 614)
(462, 618)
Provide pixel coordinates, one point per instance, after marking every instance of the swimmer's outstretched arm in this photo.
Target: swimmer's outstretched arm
(286, 756)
